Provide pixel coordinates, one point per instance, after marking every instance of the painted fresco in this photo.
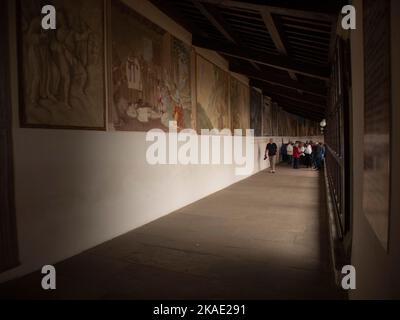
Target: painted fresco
(240, 104)
(62, 71)
(267, 116)
(212, 96)
(255, 111)
(151, 74)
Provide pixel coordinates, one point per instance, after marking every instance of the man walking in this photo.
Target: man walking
(270, 153)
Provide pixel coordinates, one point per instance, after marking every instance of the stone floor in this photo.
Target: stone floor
(263, 238)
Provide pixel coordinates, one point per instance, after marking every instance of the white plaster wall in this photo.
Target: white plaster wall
(77, 189)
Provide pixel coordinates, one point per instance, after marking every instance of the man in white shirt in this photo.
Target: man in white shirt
(308, 154)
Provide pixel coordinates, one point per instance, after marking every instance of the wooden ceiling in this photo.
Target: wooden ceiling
(284, 47)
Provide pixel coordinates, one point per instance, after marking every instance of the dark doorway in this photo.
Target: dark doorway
(8, 230)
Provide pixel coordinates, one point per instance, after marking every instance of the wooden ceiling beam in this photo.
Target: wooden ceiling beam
(319, 91)
(297, 113)
(308, 22)
(276, 37)
(299, 44)
(278, 62)
(298, 27)
(300, 111)
(305, 114)
(175, 14)
(289, 93)
(317, 115)
(299, 100)
(304, 40)
(290, 103)
(286, 11)
(273, 31)
(220, 26)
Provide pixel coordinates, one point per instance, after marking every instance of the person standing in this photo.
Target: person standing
(296, 156)
(308, 153)
(284, 152)
(270, 153)
(302, 153)
(289, 151)
(318, 156)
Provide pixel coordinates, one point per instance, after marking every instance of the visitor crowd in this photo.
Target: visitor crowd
(308, 154)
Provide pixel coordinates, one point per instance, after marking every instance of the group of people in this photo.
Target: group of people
(309, 154)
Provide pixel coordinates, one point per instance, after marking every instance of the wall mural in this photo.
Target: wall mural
(240, 104)
(288, 128)
(278, 122)
(62, 71)
(151, 74)
(281, 123)
(255, 111)
(267, 116)
(212, 96)
(63, 76)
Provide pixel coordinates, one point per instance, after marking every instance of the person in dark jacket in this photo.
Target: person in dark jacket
(270, 153)
(296, 155)
(284, 152)
(319, 152)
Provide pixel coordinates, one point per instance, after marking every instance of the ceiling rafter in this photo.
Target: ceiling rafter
(213, 20)
(321, 16)
(315, 114)
(276, 36)
(278, 62)
(299, 100)
(316, 118)
(320, 91)
(219, 22)
(300, 109)
(302, 106)
(290, 93)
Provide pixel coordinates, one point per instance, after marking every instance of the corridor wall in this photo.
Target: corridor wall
(376, 267)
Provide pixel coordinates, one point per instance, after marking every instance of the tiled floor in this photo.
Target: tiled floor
(263, 238)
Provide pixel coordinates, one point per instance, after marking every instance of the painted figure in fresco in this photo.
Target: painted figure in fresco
(82, 34)
(144, 112)
(160, 101)
(46, 78)
(38, 72)
(56, 60)
(178, 111)
(156, 88)
(134, 78)
(165, 104)
(57, 65)
(218, 101)
(64, 59)
(33, 39)
(118, 81)
(80, 47)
